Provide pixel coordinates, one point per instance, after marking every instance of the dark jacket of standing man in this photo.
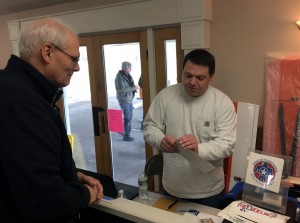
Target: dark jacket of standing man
(39, 180)
(126, 89)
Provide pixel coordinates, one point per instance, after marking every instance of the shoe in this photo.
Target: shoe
(128, 138)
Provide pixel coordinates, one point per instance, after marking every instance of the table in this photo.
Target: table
(141, 211)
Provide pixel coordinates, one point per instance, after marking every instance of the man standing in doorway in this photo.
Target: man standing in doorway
(126, 89)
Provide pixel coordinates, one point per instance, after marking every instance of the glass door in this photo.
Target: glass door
(78, 115)
(128, 158)
(169, 57)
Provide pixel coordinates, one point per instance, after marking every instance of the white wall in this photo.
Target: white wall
(242, 32)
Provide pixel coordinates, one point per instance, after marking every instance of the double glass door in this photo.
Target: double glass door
(92, 112)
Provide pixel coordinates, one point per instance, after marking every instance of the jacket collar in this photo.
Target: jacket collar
(48, 91)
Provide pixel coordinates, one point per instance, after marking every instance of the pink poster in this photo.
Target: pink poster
(282, 109)
(115, 120)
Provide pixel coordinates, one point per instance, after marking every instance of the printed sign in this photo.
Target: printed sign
(264, 171)
(242, 212)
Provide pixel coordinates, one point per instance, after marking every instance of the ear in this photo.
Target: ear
(46, 52)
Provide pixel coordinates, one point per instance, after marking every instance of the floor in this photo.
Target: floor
(128, 157)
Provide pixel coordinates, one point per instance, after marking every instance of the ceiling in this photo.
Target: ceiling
(13, 6)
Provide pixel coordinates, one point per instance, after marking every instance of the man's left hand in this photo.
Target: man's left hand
(92, 182)
(188, 142)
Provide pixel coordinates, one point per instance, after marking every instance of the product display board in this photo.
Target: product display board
(263, 184)
(282, 109)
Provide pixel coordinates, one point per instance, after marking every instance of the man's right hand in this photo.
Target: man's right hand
(169, 145)
(93, 194)
(136, 87)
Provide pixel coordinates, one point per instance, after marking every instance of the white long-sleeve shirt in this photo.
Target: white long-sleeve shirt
(211, 118)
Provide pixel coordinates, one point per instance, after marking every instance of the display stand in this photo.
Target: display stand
(263, 185)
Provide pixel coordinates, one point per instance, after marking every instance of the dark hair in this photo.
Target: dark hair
(201, 57)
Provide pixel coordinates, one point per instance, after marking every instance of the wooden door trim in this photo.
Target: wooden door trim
(101, 162)
(160, 35)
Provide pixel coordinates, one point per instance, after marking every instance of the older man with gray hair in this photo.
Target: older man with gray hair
(39, 179)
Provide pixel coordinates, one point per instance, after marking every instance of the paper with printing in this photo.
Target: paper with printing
(242, 212)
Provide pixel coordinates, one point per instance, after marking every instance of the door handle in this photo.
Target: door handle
(96, 122)
(103, 124)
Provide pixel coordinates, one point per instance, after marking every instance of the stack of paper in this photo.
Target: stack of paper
(242, 212)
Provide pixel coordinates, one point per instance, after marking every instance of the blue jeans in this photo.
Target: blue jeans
(127, 110)
(212, 201)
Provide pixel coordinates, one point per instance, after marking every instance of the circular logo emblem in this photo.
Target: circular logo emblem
(264, 171)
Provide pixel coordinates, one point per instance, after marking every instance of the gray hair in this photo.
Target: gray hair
(126, 64)
(41, 32)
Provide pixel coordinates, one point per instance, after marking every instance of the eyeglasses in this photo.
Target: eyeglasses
(75, 60)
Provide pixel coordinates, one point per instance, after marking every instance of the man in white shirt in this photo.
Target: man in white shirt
(197, 117)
